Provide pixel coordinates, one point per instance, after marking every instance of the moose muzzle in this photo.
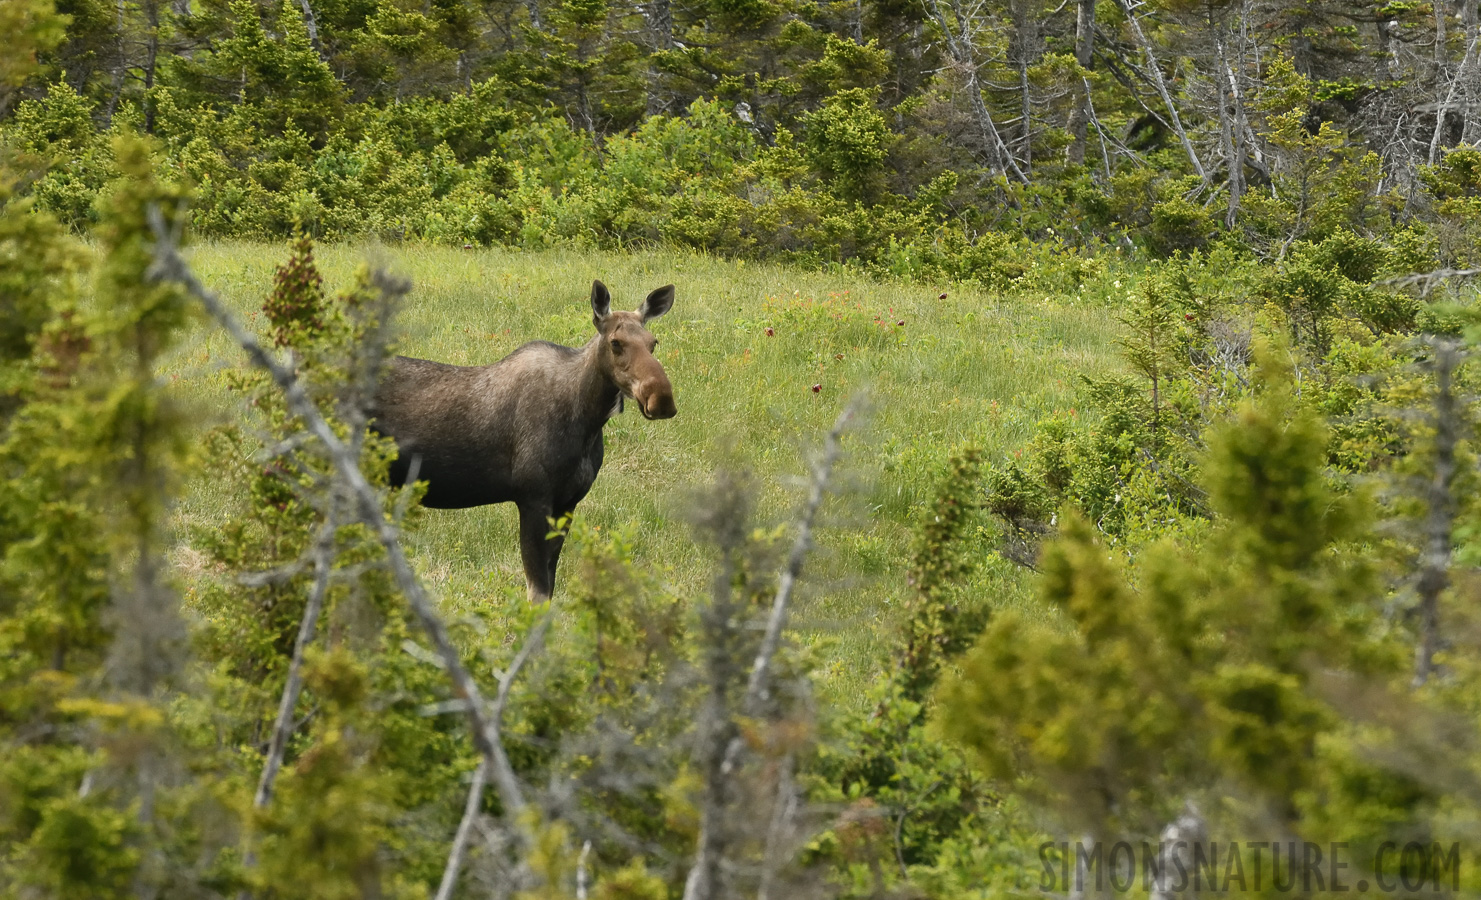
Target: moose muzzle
(656, 398)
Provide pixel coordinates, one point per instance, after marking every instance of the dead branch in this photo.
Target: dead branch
(1161, 85)
(703, 878)
(787, 583)
(465, 827)
(283, 729)
(480, 774)
(1428, 281)
(961, 45)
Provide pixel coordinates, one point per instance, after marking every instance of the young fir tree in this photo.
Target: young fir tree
(305, 638)
(94, 800)
(936, 627)
(1213, 675)
(32, 26)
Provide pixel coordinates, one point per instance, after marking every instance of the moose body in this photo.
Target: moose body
(528, 428)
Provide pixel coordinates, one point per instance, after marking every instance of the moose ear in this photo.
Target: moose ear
(601, 303)
(657, 303)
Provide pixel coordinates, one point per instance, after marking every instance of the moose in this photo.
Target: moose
(528, 428)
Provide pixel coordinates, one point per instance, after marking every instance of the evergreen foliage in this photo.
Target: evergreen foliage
(825, 134)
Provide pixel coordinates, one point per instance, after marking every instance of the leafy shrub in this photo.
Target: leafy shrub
(1178, 226)
(847, 139)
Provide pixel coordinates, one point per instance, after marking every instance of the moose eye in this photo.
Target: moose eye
(616, 346)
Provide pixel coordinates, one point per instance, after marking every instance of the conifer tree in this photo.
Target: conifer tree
(1206, 667)
(91, 461)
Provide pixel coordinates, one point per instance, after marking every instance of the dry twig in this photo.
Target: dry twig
(703, 878)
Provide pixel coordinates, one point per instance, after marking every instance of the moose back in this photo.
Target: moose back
(528, 428)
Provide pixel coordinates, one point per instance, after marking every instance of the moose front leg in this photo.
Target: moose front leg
(554, 545)
(536, 552)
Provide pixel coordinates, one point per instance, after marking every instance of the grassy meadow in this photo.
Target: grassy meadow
(972, 367)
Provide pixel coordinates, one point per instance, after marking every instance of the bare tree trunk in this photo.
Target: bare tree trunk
(151, 57)
(1100, 131)
(1226, 127)
(661, 21)
(1005, 160)
(1084, 55)
(1236, 173)
(1246, 60)
(311, 25)
(1154, 71)
(1181, 835)
(583, 109)
(1388, 48)
(1471, 21)
(779, 833)
(120, 64)
(660, 16)
(1461, 85)
(963, 52)
(1443, 96)
(1231, 118)
(1026, 39)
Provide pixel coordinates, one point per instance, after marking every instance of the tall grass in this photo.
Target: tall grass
(972, 367)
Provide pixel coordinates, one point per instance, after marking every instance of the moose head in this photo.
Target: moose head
(626, 354)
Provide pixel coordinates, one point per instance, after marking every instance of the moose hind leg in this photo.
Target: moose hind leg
(536, 552)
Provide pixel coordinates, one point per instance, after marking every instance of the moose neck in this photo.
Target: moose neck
(598, 392)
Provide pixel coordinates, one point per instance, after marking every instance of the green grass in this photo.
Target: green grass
(973, 367)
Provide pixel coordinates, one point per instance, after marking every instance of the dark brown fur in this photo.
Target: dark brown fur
(527, 429)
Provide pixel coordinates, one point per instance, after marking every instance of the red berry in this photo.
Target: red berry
(942, 297)
(901, 322)
(817, 388)
(770, 332)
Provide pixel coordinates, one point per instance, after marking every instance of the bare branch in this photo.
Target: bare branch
(1161, 84)
(454, 865)
(283, 730)
(1428, 281)
(532, 643)
(581, 875)
(787, 583)
(962, 46)
(780, 831)
(722, 743)
(465, 827)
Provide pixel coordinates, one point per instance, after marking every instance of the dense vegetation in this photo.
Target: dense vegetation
(928, 138)
(1216, 588)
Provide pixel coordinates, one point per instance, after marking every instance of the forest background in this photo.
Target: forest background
(1178, 539)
